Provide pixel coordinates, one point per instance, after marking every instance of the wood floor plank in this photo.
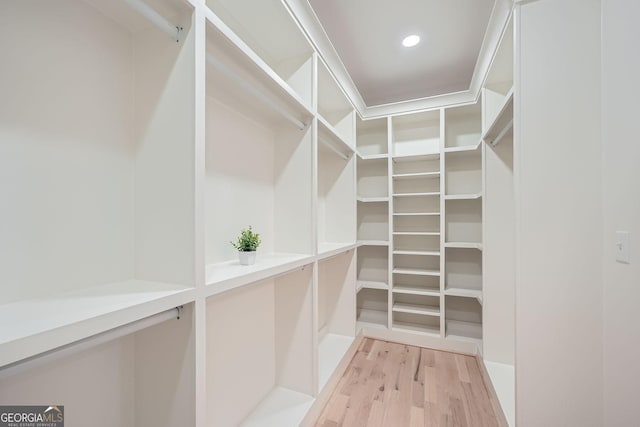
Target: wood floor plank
(389, 384)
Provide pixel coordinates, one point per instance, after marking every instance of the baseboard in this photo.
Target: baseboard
(493, 396)
(435, 343)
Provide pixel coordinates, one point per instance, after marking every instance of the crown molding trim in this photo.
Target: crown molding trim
(304, 14)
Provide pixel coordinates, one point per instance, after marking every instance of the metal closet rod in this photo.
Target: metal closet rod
(248, 87)
(333, 148)
(158, 20)
(502, 133)
(67, 350)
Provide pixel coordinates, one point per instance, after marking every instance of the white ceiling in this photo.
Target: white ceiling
(367, 36)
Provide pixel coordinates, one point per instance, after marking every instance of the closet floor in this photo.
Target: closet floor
(395, 385)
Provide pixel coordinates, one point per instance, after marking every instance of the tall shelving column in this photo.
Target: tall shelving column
(373, 224)
(415, 174)
(499, 223)
(463, 191)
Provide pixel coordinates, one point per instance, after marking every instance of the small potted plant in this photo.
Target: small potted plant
(247, 244)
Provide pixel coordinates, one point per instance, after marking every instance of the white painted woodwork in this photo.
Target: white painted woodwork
(558, 238)
(336, 320)
(620, 69)
(372, 307)
(371, 137)
(271, 319)
(372, 178)
(416, 134)
(462, 126)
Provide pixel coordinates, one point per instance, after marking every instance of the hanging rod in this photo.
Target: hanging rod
(333, 148)
(160, 21)
(502, 133)
(67, 350)
(248, 87)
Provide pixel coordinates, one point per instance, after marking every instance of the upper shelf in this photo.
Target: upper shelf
(503, 122)
(334, 109)
(416, 157)
(401, 176)
(267, 32)
(221, 277)
(372, 156)
(329, 137)
(240, 78)
(472, 196)
(463, 148)
(371, 138)
(77, 315)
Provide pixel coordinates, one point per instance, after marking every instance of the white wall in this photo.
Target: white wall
(621, 176)
(558, 215)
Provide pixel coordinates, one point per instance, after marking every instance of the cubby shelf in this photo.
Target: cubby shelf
(368, 284)
(77, 315)
(416, 252)
(414, 328)
(471, 196)
(463, 245)
(371, 319)
(416, 214)
(416, 271)
(463, 148)
(503, 121)
(415, 157)
(465, 293)
(414, 290)
(416, 233)
(383, 199)
(416, 309)
(433, 193)
(371, 156)
(221, 277)
(373, 243)
(403, 176)
(464, 331)
(281, 407)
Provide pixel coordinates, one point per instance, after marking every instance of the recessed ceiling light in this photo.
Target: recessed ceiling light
(411, 41)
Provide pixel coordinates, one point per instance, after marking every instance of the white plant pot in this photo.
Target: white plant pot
(247, 258)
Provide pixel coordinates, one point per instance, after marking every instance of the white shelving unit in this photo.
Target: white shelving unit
(267, 362)
(336, 319)
(93, 182)
(372, 308)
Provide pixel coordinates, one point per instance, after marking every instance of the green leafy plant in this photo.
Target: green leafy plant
(248, 241)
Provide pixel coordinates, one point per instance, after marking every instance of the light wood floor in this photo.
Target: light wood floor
(395, 385)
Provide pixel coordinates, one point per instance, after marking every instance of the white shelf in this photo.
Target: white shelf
(368, 284)
(464, 331)
(414, 252)
(416, 214)
(372, 199)
(373, 243)
(409, 290)
(331, 350)
(472, 196)
(422, 310)
(416, 233)
(433, 193)
(402, 176)
(221, 277)
(463, 245)
(371, 319)
(281, 407)
(77, 315)
(414, 328)
(503, 380)
(416, 157)
(328, 136)
(330, 249)
(416, 271)
(502, 123)
(372, 156)
(463, 149)
(466, 293)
